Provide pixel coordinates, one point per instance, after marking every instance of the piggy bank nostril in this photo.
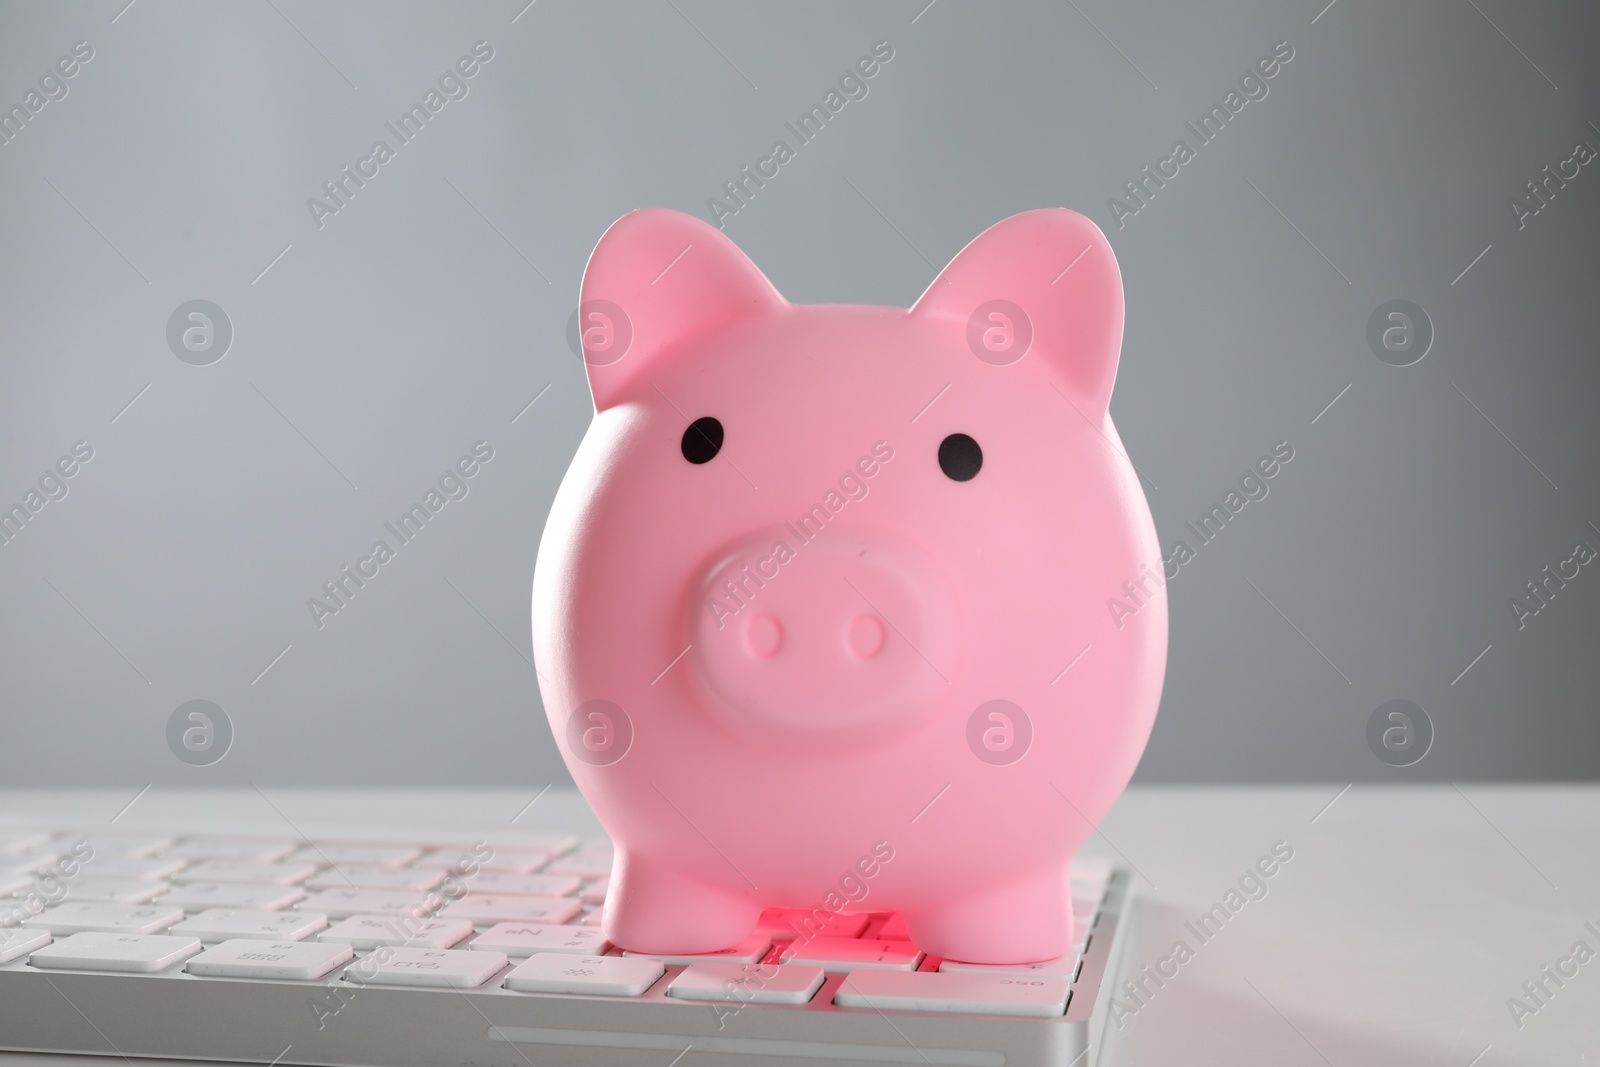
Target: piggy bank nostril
(864, 636)
(763, 636)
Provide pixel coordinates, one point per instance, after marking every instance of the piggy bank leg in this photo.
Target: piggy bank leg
(1025, 920)
(651, 907)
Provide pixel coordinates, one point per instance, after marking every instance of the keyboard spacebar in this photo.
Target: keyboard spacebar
(959, 992)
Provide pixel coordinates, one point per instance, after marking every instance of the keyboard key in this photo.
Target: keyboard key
(554, 843)
(1091, 869)
(606, 976)
(1091, 889)
(32, 862)
(343, 903)
(441, 968)
(530, 885)
(591, 917)
(115, 845)
(595, 892)
(747, 983)
(21, 841)
(304, 961)
(14, 911)
(323, 853)
(1087, 894)
(487, 908)
(749, 950)
(132, 867)
(221, 924)
(16, 883)
(247, 850)
(509, 860)
(136, 953)
(836, 955)
(114, 890)
(586, 863)
(74, 917)
(370, 931)
(1063, 967)
(246, 871)
(894, 929)
(793, 922)
(546, 841)
(197, 896)
(20, 940)
(549, 841)
(417, 879)
(972, 994)
(525, 939)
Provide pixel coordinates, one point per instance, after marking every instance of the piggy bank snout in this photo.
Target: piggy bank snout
(819, 636)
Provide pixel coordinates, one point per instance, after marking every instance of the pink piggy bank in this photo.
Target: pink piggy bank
(819, 610)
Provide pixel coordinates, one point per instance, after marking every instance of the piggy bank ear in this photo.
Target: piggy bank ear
(1042, 285)
(657, 279)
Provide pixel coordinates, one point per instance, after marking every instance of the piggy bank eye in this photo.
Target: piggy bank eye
(702, 440)
(960, 457)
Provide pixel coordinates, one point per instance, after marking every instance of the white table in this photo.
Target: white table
(1395, 935)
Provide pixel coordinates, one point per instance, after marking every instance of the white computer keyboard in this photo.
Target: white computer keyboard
(285, 950)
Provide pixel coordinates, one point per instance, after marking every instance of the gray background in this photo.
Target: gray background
(429, 312)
